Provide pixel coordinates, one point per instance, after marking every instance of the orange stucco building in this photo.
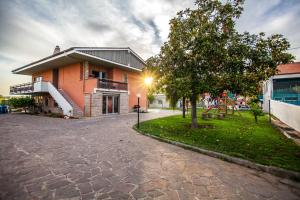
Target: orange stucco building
(85, 81)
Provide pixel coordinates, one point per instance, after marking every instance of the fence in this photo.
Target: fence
(287, 113)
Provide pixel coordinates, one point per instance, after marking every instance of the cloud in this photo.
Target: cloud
(30, 30)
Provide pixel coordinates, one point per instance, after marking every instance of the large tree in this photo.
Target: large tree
(204, 53)
(196, 49)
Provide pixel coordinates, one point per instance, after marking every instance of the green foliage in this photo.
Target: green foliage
(21, 102)
(234, 135)
(150, 97)
(255, 108)
(205, 53)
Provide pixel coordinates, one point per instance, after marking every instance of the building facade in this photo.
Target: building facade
(85, 81)
(284, 86)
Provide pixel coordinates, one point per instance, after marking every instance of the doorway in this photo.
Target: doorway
(111, 104)
(55, 78)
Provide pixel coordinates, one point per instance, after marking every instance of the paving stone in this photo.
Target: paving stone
(85, 188)
(89, 196)
(67, 192)
(103, 158)
(154, 193)
(100, 184)
(139, 193)
(57, 183)
(201, 181)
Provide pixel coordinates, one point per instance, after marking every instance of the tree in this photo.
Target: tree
(196, 47)
(150, 98)
(205, 53)
(255, 109)
(253, 59)
(22, 102)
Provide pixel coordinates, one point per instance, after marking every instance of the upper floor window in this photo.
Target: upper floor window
(125, 78)
(97, 74)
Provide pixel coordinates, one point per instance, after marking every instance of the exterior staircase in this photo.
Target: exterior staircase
(77, 112)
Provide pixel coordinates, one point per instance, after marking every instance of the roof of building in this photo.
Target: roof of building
(291, 68)
(114, 56)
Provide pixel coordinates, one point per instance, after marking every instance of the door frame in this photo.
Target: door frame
(113, 103)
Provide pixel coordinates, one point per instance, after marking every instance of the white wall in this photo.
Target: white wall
(287, 113)
(160, 101)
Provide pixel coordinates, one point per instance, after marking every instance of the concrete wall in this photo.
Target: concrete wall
(287, 113)
(124, 103)
(96, 104)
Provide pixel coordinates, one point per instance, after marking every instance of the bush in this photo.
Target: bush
(21, 102)
(255, 108)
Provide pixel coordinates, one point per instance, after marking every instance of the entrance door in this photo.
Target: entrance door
(55, 77)
(110, 104)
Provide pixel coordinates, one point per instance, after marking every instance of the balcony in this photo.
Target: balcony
(112, 85)
(24, 88)
(28, 88)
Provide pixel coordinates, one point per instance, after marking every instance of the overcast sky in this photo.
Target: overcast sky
(30, 29)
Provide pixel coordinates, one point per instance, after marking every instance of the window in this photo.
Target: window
(125, 78)
(291, 98)
(103, 75)
(97, 74)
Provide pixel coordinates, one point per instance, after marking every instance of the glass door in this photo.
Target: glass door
(116, 104)
(110, 104)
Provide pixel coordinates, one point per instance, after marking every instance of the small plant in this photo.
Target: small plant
(255, 108)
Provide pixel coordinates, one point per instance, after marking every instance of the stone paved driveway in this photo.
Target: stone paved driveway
(47, 158)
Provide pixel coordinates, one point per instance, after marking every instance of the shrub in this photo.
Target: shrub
(255, 108)
(21, 102)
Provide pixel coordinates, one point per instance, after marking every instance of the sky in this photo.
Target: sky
(30, 30)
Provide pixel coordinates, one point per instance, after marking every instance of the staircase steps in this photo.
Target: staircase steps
(77, 112)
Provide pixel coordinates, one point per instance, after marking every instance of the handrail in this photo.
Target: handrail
(21, 88)
(109, 84)
(42, 86)
(60, 99)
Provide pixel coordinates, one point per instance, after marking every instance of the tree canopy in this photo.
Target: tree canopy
(205, 53)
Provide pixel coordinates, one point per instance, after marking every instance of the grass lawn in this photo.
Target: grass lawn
(235, 135)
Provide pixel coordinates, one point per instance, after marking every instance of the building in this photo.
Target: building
(284, 86)
(160, 101)
(85, 81)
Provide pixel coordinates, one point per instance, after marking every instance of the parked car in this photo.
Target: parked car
(243, 107)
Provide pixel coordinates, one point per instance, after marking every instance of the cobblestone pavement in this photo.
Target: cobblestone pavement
(48, 158)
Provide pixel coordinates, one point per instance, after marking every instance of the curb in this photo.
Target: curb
(280, 172)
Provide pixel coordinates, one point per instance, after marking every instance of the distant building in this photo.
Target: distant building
(284, 86)
(160, 101)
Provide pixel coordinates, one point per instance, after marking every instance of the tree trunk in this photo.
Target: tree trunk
(255, 116)
(194, 111)
(183, 107)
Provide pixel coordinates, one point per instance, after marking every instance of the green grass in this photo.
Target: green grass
(235, 135)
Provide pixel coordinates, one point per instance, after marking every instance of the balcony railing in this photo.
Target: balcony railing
(23, 88)
(112, 85)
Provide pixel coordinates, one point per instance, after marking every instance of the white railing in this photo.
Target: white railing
(287, 113)
(40, 86)
(60, 100)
